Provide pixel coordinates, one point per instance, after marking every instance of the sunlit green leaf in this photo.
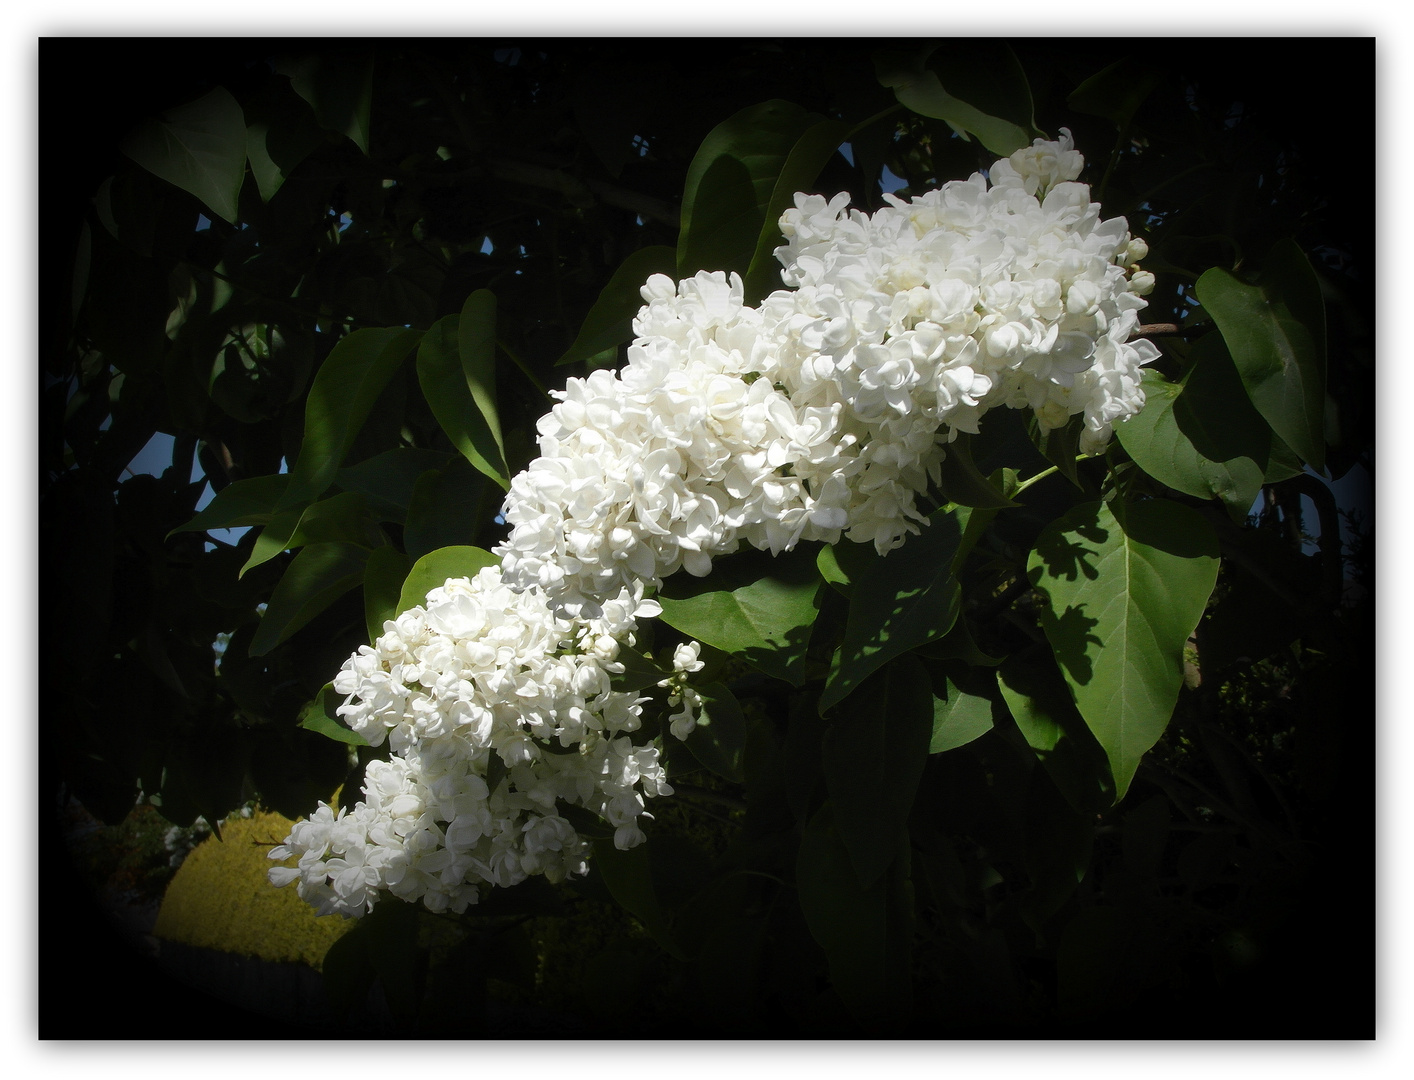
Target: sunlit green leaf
(199, 147)
(433, 569)
(1125, 585)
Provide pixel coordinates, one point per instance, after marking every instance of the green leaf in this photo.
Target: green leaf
(628, 875)
(394, 952)
(917, 85)
(1059, 843)
(719, 740)
(387, 480)
(1045, 713)
(976, 520)
(199, 147)
(340, 89)
(963, 483)
(1276, 332)
(959, 718)
(610, 321)
(383, 579)
(444, 509)
(873, 760)
(1060, 446)
(243, 502)
(851, 922)
(319, 575)
(730, 183)
(811, 152)
(322, 715)
(342, 517)
(476, 346)
(751, 605)
(906, 599)
(1201, 437)
(639, 671)
(433, 569)
(345, 388)
(439, 374)
(1124, 587)
(1116, 92)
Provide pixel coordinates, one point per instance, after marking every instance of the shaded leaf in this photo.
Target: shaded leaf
(963, 483)
(318, 575)
(812, 150)
(444, 508)
(917, 85)
(1201, 437)
(752, 606)
(321, 715)
(958, 718)
(242, 502)
(339, 87)
(1276, 332)
(344, 391)
(873, 761)
(387, 480)
(383, 578)
(629, 877)
(1116, 92)
(610, 321)
(730, 183)
(906, 599)
(719, 740)
(199, 147)
(342, 517)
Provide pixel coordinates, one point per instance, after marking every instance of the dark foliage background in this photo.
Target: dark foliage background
(569, 155)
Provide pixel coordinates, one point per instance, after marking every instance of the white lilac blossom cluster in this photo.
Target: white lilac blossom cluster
(497, 709)
(827, 410)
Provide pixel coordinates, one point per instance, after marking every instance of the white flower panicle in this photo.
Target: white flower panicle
(827, 410)
(496, 708)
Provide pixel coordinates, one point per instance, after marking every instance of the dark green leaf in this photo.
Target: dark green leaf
(752, 606)
(906, 599)
(394, 952)
(383, 579)
(975, 521)
(244, 502)
(916, 83)
(476, 346)
(628, 875)
(434, 569)
(1116, 92)
(387, 480)
(321, 715)
(1060, 446)
(448, 392)
(851, 923)
(964, 484)
(1059, 842)
(344, 391)
(610, 321)
(719, 740)
(1045, 713)
(343, 517)
(1201, 437)
(1125, 585)
(959, 718)
(348, 972)
(340, 89)
(319, 575)
(444, 508)
(639, 671)
(816, 145)
(873, 760)
(199, 147)
(1276, 332)
(730, 183)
